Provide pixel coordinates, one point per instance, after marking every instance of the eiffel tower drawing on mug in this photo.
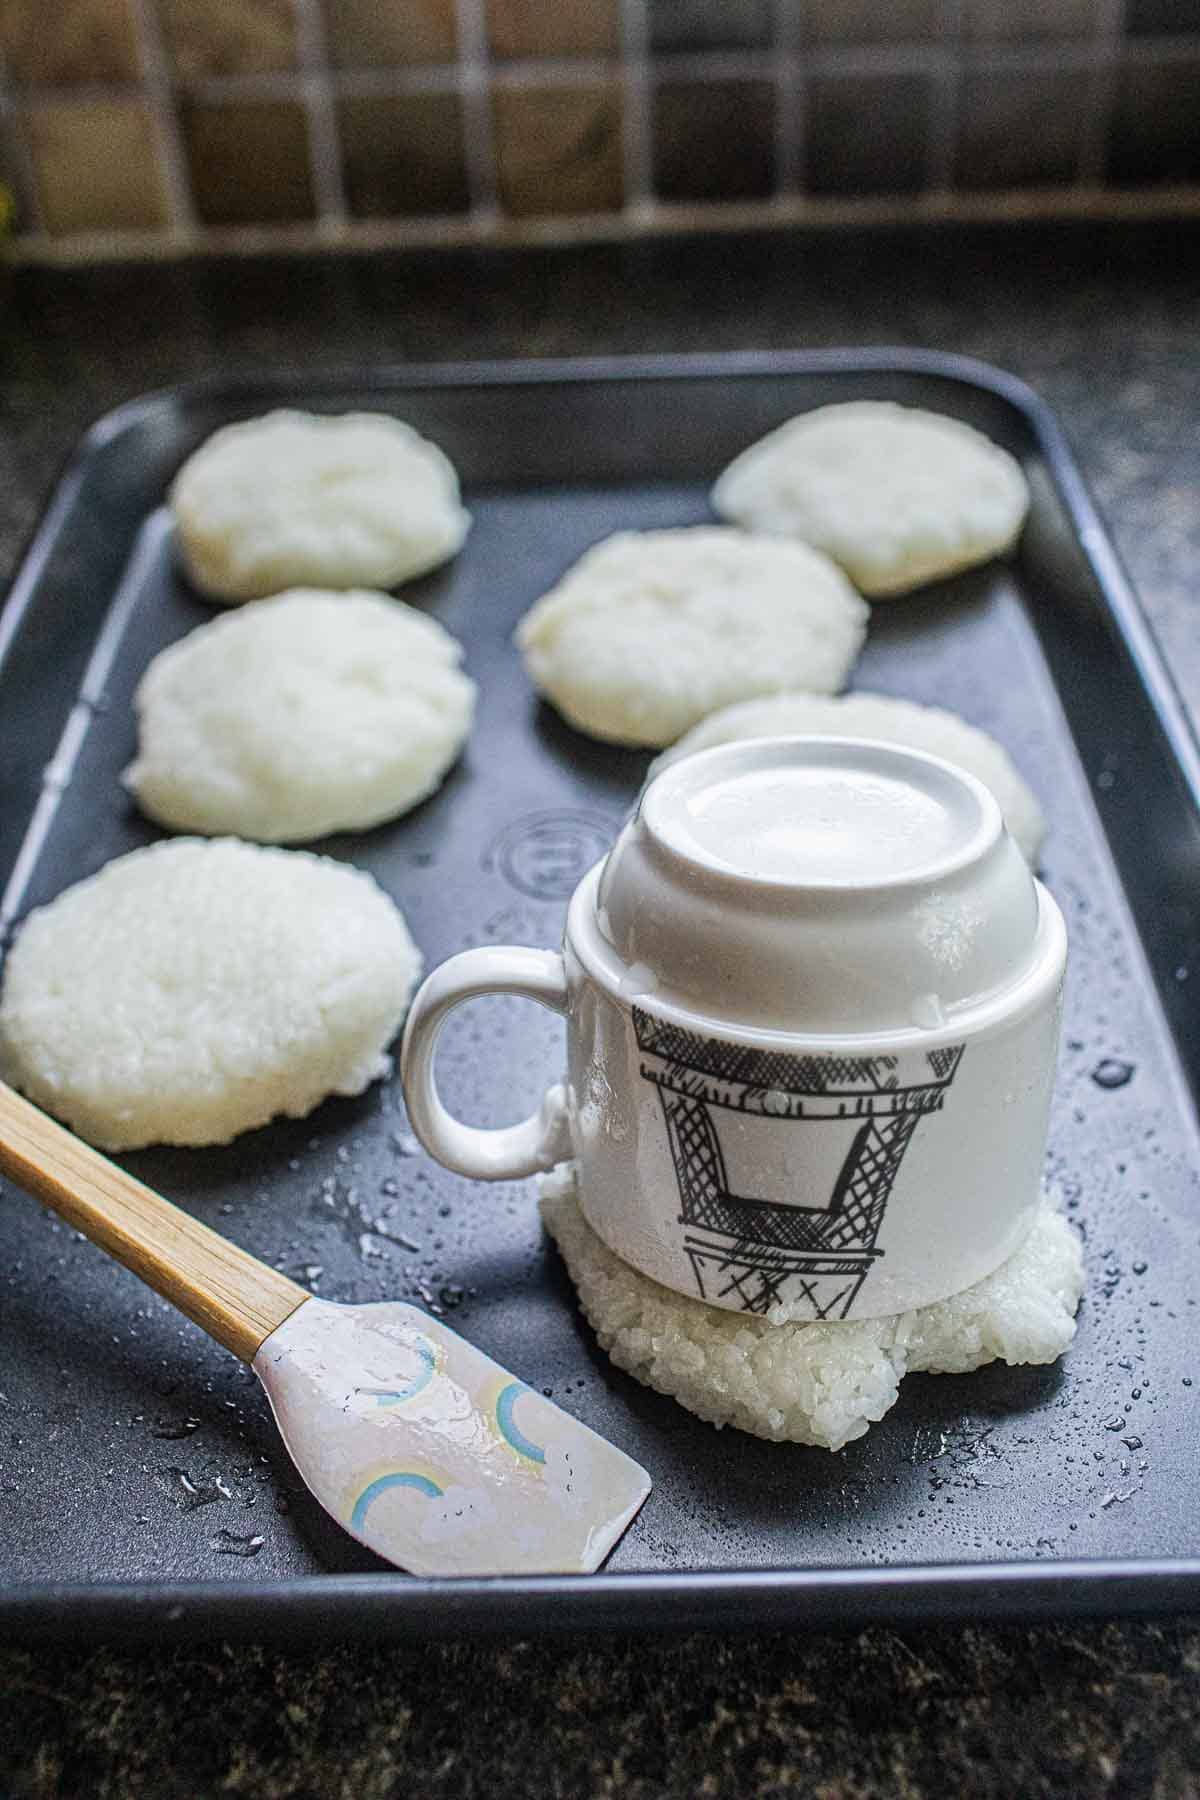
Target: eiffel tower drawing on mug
(751, 1251)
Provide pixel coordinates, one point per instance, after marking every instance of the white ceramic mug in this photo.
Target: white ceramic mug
(812, 999)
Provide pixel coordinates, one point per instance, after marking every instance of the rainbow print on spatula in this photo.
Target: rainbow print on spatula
(442, 1461)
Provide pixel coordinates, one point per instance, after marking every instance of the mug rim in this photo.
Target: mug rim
(1009, 1004)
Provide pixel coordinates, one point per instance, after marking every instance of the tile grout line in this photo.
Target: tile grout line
(554, 71)
(924, 57)
(637, 160)
(159, 93)
(324, 142)
(1093, 138)
(813, 212)
(790, 101)
(941, 146)
(846, 61)
(393, 84)
(479, 138)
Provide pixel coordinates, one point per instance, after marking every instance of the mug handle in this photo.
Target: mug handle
(539, 1141)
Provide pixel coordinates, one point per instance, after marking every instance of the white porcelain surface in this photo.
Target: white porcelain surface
(818, 885)
(812, 1001)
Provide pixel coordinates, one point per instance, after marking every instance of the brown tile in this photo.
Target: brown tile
(558, 150)
(1018, 129)
(249, 161)
(228, 37)
(1154, 133)
(714, 140)
(867, 133)
(14, 208)
(97, 167)
(709, 24)
(55, 43)
(373, 34)
(1158, 18)
(565, 28)
(987, 20)
(852, 22)
(403, 155)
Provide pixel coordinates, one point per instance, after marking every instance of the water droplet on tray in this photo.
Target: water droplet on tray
(307, 1272)
(1113, 1072)
(176, 1428)
(195, 1494)
(237, 1543)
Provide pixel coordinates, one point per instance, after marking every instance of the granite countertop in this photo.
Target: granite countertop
(1101, 320)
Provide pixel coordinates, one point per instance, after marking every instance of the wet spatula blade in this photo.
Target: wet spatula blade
(434, 1456)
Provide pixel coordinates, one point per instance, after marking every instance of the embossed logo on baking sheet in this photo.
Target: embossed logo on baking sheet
(750, 1253)
(546, 854)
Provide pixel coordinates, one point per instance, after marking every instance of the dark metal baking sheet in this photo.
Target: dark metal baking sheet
(1012, 1491)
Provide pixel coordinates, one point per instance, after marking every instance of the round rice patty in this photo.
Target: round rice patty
(652, 630)
(297, 499)
(896, 495)
(310, 713)
(813, 1383)
(195, 989)
(889, 721)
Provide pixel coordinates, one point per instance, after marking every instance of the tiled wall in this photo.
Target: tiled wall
(134, 124)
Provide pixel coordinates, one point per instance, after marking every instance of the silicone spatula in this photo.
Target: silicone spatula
(421, 1447)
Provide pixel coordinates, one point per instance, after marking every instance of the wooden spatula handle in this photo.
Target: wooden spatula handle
(229, 1293)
